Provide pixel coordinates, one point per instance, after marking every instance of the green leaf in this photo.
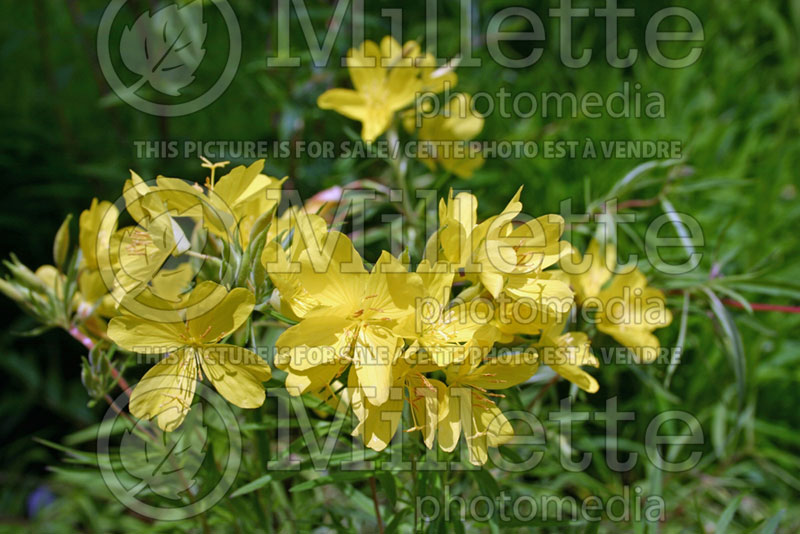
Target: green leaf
(36, 331)
(394, 524)
(252, 486)
(80, 456)
(771, 526)
(388, 486)
(677, 223)
(168, 464)
(735, 296)
(680, 343)
(727, 515)
(639, 170)
(732, 340)
(341, 476)
(486, 482)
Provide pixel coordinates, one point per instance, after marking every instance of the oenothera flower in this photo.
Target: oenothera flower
(97, 225)
(191, 333)
(444, 136)
(301, 231)
(517, 256)
(629, 311)
(500, 255)
(589, 273)
(137, 253)
(385, 80)
(566, 352)
(438, 326)
(466, 405)
(353, 323)
(378, 423)
(228, 207)
(460, 240)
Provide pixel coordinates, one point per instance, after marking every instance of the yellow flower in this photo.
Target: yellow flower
(502, 256)
(304, 231)
(229, 207)
(385, 80)
(97, 225)
(629, 311)
(378, 424)
(566, 352)
(439, 327)
(52, 278)
(135, 254)
(588, 274)
(517, 256)
(466, 406)
(191, 334)
(462, 241)
(353, 322)
(515, 318)
(460, 238)
(444, 137)
(170, 284)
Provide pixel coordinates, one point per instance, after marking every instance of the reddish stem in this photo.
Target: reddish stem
(87, 342)
(762, 307)
(377, 506)
(637, 203)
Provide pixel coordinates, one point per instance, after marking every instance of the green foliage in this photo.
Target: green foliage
(736, 112)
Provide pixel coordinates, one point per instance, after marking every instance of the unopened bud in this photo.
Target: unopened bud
(61, 244)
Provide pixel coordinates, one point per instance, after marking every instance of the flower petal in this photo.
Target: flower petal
(219, 318)
(141, 335)
(237, 374)
(166, 391)
(349, 103)
(375, 350)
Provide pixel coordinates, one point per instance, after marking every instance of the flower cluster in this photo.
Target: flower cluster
(392, 82)
(446, 336)
(485, 304)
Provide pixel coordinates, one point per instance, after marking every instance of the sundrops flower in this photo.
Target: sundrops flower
(385, 80)
(566, 352)
(353, 323)
(466, 405)
(302, 231)
(629, 311)
(136, 254)
(501, 255)
(460, 240)
(444, 137)
(517, 256)
(96, 226)
(378, 424)
(230, 206)
(438, 327)
(589, 273)
(191, 334)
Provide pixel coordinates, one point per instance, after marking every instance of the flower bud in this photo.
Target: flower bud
(61, 244)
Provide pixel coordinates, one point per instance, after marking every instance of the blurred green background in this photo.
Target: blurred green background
(66, 138)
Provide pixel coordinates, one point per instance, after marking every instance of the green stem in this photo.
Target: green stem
(400, 170)
(414, 485)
